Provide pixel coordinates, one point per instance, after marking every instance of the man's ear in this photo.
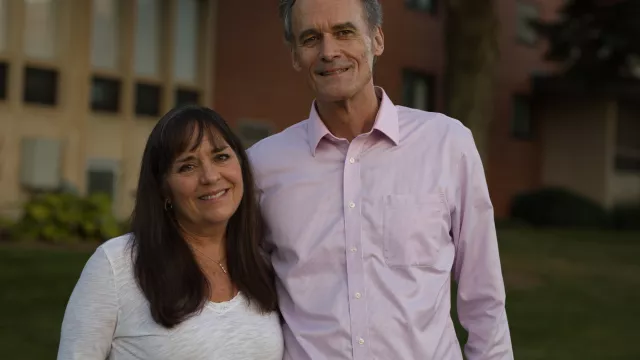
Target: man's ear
(294, 59)
(377, 41)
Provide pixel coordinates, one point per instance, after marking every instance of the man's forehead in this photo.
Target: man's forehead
(326, 14)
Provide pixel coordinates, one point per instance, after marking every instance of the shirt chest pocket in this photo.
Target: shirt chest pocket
(415, 230)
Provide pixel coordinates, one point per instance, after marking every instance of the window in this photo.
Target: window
(105, 94)
(250, 132)
(102, 176)
(4, 27)
(101, 182)
(40, 29)
(147, 99)
(147, 57)
(40, 86)
(185, 97)
(4, 75)
(185, 55)
(147, 38)
(105, 35)
(525, 13)
(521, 127)
(422, 5)
(418, 90)
(628, 137)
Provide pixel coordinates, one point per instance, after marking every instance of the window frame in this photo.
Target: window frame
(54, 64)
(413, 5)
(518, 35)
(513, 129)
(410, 75)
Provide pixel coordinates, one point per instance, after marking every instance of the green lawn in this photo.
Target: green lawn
(570, 295)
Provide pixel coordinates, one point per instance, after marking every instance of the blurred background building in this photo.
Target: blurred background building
(82, 82)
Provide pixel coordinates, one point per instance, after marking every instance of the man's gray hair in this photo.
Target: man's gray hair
(372, 9)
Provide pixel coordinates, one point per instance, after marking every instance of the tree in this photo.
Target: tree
(595, 40)
(472, 56)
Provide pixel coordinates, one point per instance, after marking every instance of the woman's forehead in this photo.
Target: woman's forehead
(209, 137)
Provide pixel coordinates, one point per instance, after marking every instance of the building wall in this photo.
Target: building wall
(515, 163)
(256, 81)
(91, 139)
(624, 138)
(254, 74)
(577, 145)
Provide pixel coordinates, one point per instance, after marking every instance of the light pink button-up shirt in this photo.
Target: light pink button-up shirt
(366, 235)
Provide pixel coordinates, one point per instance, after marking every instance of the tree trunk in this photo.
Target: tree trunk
(472, 55)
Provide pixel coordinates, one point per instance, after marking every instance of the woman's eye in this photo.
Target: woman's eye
(186, 167)
(222, 157)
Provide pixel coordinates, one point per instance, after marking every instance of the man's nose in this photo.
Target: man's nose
(330, 49)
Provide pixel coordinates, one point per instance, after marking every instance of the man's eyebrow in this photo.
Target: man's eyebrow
(343, 26)
(337, 27)
(306, 33)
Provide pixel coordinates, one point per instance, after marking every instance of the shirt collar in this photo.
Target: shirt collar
(386, 122)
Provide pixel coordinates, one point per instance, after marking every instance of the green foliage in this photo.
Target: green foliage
(5, 227)
(626, 217)
(595, 40)
(556, 207)
(65, 218)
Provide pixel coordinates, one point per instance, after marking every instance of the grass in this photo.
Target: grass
(570, 295)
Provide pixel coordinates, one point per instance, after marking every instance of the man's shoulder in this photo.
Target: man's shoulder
(442, 126)
(291, 139)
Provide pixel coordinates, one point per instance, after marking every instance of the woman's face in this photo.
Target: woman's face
(205, 185)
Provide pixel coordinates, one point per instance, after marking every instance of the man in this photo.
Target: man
(371, 207)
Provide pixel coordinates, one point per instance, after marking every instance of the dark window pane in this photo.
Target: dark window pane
(251, 132)
(627, 163)
(101, 182)
(4, 79)
(147, 99)
(186, 97)
(105, 94)
(521, 126)
(422, 5)
(40, 86)
(418, 91)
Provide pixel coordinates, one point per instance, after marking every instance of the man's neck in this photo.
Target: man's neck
(352, 117)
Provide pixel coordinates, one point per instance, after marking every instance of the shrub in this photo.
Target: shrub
(626, 217)
(5, 228)
(558, 207)
(64, 217)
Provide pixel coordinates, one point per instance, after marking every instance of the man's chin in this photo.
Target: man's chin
(334, 95)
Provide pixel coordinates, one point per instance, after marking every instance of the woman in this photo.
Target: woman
(190, 281)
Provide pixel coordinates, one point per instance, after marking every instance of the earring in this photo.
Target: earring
(167, 205)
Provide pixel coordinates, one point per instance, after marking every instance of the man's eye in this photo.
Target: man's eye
(345, 32)
(309, 40)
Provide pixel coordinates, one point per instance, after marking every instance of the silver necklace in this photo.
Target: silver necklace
(217, 262)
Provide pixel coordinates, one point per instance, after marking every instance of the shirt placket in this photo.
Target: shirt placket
(352, 190)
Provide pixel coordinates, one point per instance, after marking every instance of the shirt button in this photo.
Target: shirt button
(352, 204)
(353, 249)
(361, 341)
(352, 160)
(358, 295)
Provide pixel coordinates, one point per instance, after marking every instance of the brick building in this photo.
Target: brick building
(257, 88)
(82, 82)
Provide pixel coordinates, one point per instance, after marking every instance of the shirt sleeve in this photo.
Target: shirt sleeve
(90, 317)
(477, 269)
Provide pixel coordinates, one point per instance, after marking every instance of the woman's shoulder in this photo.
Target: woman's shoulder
(117, 250)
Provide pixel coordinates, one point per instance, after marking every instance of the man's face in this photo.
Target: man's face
(334, 46)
